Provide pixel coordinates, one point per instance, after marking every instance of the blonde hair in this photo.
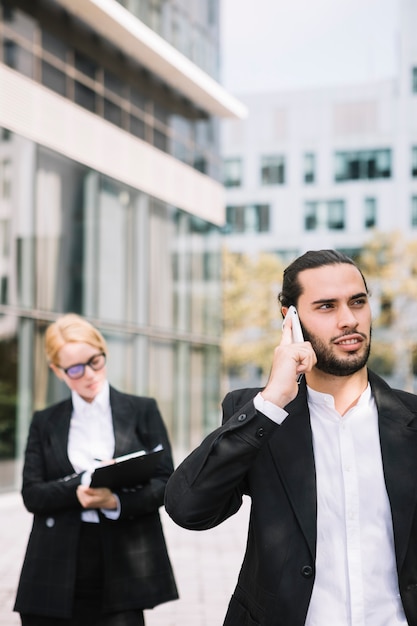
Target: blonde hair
(71, 328)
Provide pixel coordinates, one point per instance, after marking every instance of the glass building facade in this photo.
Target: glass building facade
(137, 254)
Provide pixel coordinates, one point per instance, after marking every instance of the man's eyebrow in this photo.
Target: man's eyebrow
(355, 296)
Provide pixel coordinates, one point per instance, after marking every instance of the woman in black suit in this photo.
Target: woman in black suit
(95, 557)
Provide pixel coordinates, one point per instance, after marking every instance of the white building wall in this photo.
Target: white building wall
(323, 121)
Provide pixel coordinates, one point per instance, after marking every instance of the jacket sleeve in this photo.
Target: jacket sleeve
(44, 489)
(209, 484)
(152, 432)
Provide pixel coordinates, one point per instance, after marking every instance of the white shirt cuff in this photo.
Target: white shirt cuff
(113, 513)
(271, 410)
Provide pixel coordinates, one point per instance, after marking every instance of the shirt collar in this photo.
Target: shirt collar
(317, 397)
(101, 401)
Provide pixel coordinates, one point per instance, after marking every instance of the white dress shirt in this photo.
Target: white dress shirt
(356, 577)
(91, 440)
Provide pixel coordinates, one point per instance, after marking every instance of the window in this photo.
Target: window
(54, 46)
(414, 211)
(414, 79)
(232, 172)
(310, 215)
(328, 215)
(53, 78)
(370, 209)
(362, 165)
(251, 218)
(336, 215)
(85, 65)
(112, 113)
(414, 162)
(5, 179)
(84, 96)
(273, 170)
(18, 58)
(309, 167)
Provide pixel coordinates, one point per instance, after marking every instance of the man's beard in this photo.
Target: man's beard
(328, 363)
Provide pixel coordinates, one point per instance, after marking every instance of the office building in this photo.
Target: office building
(111, 202)
(326, 167)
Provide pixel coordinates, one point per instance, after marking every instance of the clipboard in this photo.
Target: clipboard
(129, 470)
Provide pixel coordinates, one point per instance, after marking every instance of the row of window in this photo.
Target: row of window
(318, 215)
(95, 77)
(348, 165)
(193, 30)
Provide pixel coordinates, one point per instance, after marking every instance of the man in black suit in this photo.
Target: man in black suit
(330, 465)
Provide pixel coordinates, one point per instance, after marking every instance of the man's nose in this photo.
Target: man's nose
(347, 318)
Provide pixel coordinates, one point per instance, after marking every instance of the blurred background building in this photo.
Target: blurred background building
(111, 201)
(325, 167)
(336, 167)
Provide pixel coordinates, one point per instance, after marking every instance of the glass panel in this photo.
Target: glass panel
(54, 46)
(161, 368)
(137, 127)
(21, 23)
(59, 225)
(336, 214)
(18, 58)
(8, 389)
(84, 96)
(160, 140)
(137, 99)
(414, 80)
(309, 167)
(310, 215)
(273, 170)
(161, 298)
(414, 162)
(114, 83)
(53, 78)
(112, 113)
(85, 65)
(414, 211)
(370, 212)
(112, 242)
(232, 172)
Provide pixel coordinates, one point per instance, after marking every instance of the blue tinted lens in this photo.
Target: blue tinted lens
(75, 371)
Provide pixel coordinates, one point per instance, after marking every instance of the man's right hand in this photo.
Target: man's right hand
(290, 360)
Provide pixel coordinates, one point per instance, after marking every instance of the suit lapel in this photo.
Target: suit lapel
(59, 423)
(292, 452)
(398, 446)
(123, 422)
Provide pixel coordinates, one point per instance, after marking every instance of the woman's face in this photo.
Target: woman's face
(91, 382)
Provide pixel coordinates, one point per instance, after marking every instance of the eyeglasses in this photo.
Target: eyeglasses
(97, 362)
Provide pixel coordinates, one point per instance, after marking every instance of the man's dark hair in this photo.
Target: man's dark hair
(291, 288)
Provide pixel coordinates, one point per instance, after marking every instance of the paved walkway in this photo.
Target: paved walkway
(206, 566)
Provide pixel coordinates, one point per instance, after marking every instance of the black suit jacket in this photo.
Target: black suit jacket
(137, 569)
(274, 465)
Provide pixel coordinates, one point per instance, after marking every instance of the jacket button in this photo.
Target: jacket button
(241, 417)
(307, 571)
(260, 432)
(50, 522)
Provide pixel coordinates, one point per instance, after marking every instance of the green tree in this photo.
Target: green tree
(251, 313)
(389, 261)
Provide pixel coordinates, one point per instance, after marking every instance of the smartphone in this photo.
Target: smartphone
(297, 333)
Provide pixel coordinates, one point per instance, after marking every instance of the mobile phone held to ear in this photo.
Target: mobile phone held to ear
(297, 333)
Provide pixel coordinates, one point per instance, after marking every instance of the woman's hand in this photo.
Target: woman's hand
(98, 498)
